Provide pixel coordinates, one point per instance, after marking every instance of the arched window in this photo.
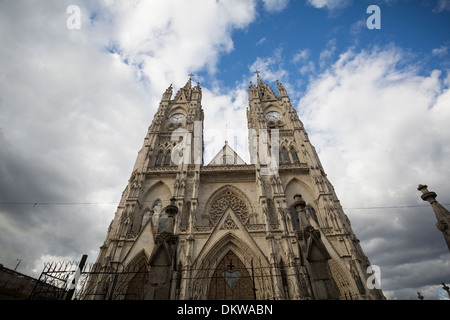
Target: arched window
(228, 200)
(285, 156)
(167, 159)
(294, 155)
(312, 213)
(159, 159)
(137, 270)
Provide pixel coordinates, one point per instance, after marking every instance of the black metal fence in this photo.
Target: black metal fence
(71, 280)
(61, 280)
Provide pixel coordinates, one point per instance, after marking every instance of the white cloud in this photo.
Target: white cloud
(329, 4)
(301, 55)
(225, 119)
(443, 5)
(307, 68)
(275, 5)
(261, 41)
(327, 54)
(440, 52)
(271, 67)
(358, 26)
(171, 43)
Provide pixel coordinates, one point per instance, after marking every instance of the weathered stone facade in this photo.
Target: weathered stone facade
(271, 229)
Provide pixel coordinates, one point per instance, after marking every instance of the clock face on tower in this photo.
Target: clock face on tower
(177, 118)
(273, 116)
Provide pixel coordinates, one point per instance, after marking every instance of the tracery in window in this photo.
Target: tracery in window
(167, 159)
(312, 213)
(226, 200)
(285, 156)
(294, 155)
(159, 159)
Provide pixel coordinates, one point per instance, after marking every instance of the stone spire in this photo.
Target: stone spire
(442, 214)
(168, 93)
(281, 90)
(188, 84)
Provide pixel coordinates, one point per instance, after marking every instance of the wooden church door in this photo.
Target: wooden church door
(231, 280)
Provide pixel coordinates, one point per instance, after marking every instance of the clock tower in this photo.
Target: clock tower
(269, 229)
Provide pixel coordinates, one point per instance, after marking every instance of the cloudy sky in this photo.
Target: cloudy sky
(77, 97)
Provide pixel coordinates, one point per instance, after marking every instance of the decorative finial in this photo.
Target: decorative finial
(427, 195)
(421, 186)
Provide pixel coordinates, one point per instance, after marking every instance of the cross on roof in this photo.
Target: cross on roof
(190, 75)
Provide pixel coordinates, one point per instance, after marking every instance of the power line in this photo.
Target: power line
(393, 207)
(116, 203)
(54, 203)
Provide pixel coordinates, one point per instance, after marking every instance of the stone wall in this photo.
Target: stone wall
(14, 285)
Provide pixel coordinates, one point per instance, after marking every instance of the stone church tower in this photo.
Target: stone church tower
(271, 229)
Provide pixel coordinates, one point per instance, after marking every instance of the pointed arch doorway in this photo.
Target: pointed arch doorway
(231, 280)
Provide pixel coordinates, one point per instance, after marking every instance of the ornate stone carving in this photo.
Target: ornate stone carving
(229, 224)
(226, 200)
(256, 227)
(202, 229)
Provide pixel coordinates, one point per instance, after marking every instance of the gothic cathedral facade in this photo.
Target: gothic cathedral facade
(269, 229)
